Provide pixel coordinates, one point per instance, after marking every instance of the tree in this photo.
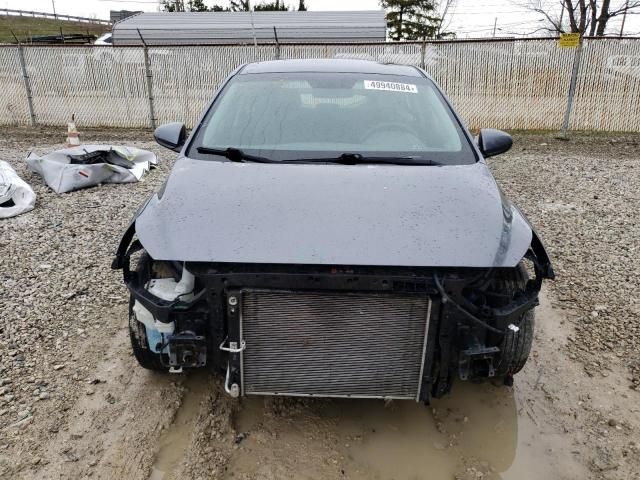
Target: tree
(240, 5)
(271, 6)
(446, 11)
(172, 5)
(234, 6)
(191, 6)
(197, 6)
(413, 19)
(587, 17)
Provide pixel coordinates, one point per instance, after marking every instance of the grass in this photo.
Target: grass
(27, 27)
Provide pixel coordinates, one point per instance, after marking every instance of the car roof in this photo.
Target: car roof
(330, 65)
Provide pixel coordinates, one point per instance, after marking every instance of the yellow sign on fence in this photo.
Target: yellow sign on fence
(569, 40)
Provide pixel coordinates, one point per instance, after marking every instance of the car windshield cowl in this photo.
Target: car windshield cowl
(238, 155)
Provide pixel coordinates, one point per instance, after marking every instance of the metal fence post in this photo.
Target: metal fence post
(572, 89)
(423, 54)
(147, 69)
(27, 83)
(277, 54)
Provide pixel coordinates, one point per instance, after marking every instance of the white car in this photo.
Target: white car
(106, 39)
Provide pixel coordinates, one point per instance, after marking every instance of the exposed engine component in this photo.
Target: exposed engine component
(187, 350)
(184, 348)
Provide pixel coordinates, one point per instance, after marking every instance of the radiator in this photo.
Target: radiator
(326, 344)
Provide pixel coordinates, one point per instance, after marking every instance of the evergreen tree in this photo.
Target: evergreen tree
(412, 19)
(302, 7)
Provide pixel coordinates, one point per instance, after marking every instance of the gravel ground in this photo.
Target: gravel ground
(58, 289)
(583, 198)
(70, 392)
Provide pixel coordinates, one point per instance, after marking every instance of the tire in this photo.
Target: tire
(515, 346)
(146, 357)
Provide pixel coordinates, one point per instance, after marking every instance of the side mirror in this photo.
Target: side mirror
(494, 142)
(171, 135)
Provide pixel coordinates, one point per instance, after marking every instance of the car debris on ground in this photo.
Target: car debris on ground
(16, 196)
(89, 165)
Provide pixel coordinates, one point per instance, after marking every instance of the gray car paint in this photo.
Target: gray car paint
(334, 65)
(385, 215)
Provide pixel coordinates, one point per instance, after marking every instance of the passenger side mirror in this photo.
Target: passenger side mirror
(494, 142)
(171, 135)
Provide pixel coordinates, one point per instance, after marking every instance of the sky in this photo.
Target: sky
(468, 18)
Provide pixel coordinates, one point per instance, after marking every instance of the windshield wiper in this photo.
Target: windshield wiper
(235, 155)
(358, 159)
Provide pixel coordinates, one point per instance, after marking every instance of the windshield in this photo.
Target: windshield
(287, 117)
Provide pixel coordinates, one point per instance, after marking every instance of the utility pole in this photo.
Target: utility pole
(495, 24)
(55, 15)
(624, 17)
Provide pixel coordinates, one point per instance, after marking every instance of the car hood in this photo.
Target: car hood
(386, 215)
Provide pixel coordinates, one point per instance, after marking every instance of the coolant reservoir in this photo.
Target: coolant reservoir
(166, 289)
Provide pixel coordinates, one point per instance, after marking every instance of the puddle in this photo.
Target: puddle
(478, 431)
(174, 441)
(475, 428)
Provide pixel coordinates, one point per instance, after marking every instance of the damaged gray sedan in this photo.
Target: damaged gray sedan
(331, 229)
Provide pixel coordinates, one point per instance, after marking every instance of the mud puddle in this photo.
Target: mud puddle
(174, 442)
(478, 431)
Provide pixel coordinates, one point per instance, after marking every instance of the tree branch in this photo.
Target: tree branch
(626, 9)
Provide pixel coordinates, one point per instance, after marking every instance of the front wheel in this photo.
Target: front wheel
(516, 346)
(146, 357)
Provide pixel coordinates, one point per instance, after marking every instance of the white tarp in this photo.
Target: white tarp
(16, 196)
(88, 165)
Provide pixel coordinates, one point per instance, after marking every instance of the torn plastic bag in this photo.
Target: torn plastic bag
(88, 165)
(16, 196)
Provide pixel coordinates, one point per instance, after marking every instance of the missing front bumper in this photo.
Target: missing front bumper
(328, 344)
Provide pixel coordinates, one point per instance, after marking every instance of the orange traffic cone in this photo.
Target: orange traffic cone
(73, 137)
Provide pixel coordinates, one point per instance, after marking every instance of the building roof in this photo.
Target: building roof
(330, 65)
(119, 15)
(214, 28)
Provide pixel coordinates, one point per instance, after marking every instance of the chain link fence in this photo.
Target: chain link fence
(509, 84)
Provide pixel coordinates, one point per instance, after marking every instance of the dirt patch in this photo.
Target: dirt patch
(74, 404)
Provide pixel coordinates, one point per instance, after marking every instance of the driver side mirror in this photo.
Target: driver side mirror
(171, 135)
(493, 142)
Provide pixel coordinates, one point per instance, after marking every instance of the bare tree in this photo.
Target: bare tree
(446, 9)
(587, 17)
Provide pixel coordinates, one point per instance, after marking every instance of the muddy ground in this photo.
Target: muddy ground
(74, 404)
